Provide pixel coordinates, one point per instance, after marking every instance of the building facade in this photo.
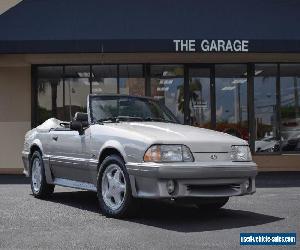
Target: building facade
(233, 68)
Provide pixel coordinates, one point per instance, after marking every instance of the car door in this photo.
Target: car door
(69, 154)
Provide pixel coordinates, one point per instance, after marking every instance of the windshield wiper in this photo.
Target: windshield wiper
(150, 119)
(108, 119)
(119, 118)
(125, 118)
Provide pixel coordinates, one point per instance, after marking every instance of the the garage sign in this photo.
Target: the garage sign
(211, 45)
(151, 46)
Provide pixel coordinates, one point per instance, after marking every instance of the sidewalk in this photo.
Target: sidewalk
(278, 179)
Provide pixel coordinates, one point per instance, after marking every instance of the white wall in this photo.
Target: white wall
(15, 114)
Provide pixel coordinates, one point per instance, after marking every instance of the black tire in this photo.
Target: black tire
(128, 206)
(45, 190)
(211, 204)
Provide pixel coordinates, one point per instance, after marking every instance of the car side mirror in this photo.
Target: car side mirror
(77, 126)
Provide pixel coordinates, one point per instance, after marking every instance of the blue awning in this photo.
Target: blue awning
(76, 26)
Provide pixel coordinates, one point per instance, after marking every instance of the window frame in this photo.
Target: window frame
(186, 66)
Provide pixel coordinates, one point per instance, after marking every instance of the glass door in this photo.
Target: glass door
(231, 99)
(167, 86)
(200, 96)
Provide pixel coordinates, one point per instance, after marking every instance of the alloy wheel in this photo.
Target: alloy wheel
(113, 186)
(36, 174)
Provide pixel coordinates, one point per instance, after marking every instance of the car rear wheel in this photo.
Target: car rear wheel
(40, 188)
(113, 188)
(211, 204)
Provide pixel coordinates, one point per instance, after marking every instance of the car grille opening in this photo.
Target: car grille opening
(229, 189)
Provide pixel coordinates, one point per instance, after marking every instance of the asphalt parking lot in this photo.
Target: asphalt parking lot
(70, 219)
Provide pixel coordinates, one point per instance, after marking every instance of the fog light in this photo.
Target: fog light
(170, 186)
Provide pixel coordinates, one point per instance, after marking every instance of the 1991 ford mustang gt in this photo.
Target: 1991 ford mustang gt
(127, 147)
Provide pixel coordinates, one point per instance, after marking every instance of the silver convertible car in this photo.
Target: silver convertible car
(127, 147)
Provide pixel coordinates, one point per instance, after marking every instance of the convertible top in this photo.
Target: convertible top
(49, 124)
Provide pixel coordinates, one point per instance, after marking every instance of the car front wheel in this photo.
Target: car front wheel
(40, 188)
(113, 188)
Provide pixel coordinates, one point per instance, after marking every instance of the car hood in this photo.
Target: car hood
(197, 139)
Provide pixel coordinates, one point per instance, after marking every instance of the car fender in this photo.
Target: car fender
(46, 160)
(114, 145)
(38, 143)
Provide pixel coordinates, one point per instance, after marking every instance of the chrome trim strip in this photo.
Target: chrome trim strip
(93, 161)
(74, 162)
(67, 158)
(75, 184)
(206, 164)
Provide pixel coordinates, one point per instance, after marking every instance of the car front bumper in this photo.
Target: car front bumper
(196, 179)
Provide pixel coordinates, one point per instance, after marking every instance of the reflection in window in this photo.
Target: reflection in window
(77, 88)
(132, 81)
(290, 107)
(167, 86)
(62, 98)
(231, 99)
(266, 129)
(199, 84)
(50, 98)
(105, 79)
(78, 71)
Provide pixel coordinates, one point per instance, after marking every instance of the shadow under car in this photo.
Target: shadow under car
(172, 216)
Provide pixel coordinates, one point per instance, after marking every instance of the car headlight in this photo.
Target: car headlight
(240, 153)
(168, 153)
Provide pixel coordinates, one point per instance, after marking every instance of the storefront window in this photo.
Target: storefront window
(77, 88)
(266, 122)
(290, 107)
(231, 99)
(62, 91)
(50, 94)
(104, 79)
(199, 85)
(167, 86)
(132, 80)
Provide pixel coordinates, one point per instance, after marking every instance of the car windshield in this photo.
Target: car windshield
(125, 108)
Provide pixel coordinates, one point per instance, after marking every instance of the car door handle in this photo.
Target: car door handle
(55, 138)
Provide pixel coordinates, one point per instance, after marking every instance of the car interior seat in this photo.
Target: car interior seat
(83, 118)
